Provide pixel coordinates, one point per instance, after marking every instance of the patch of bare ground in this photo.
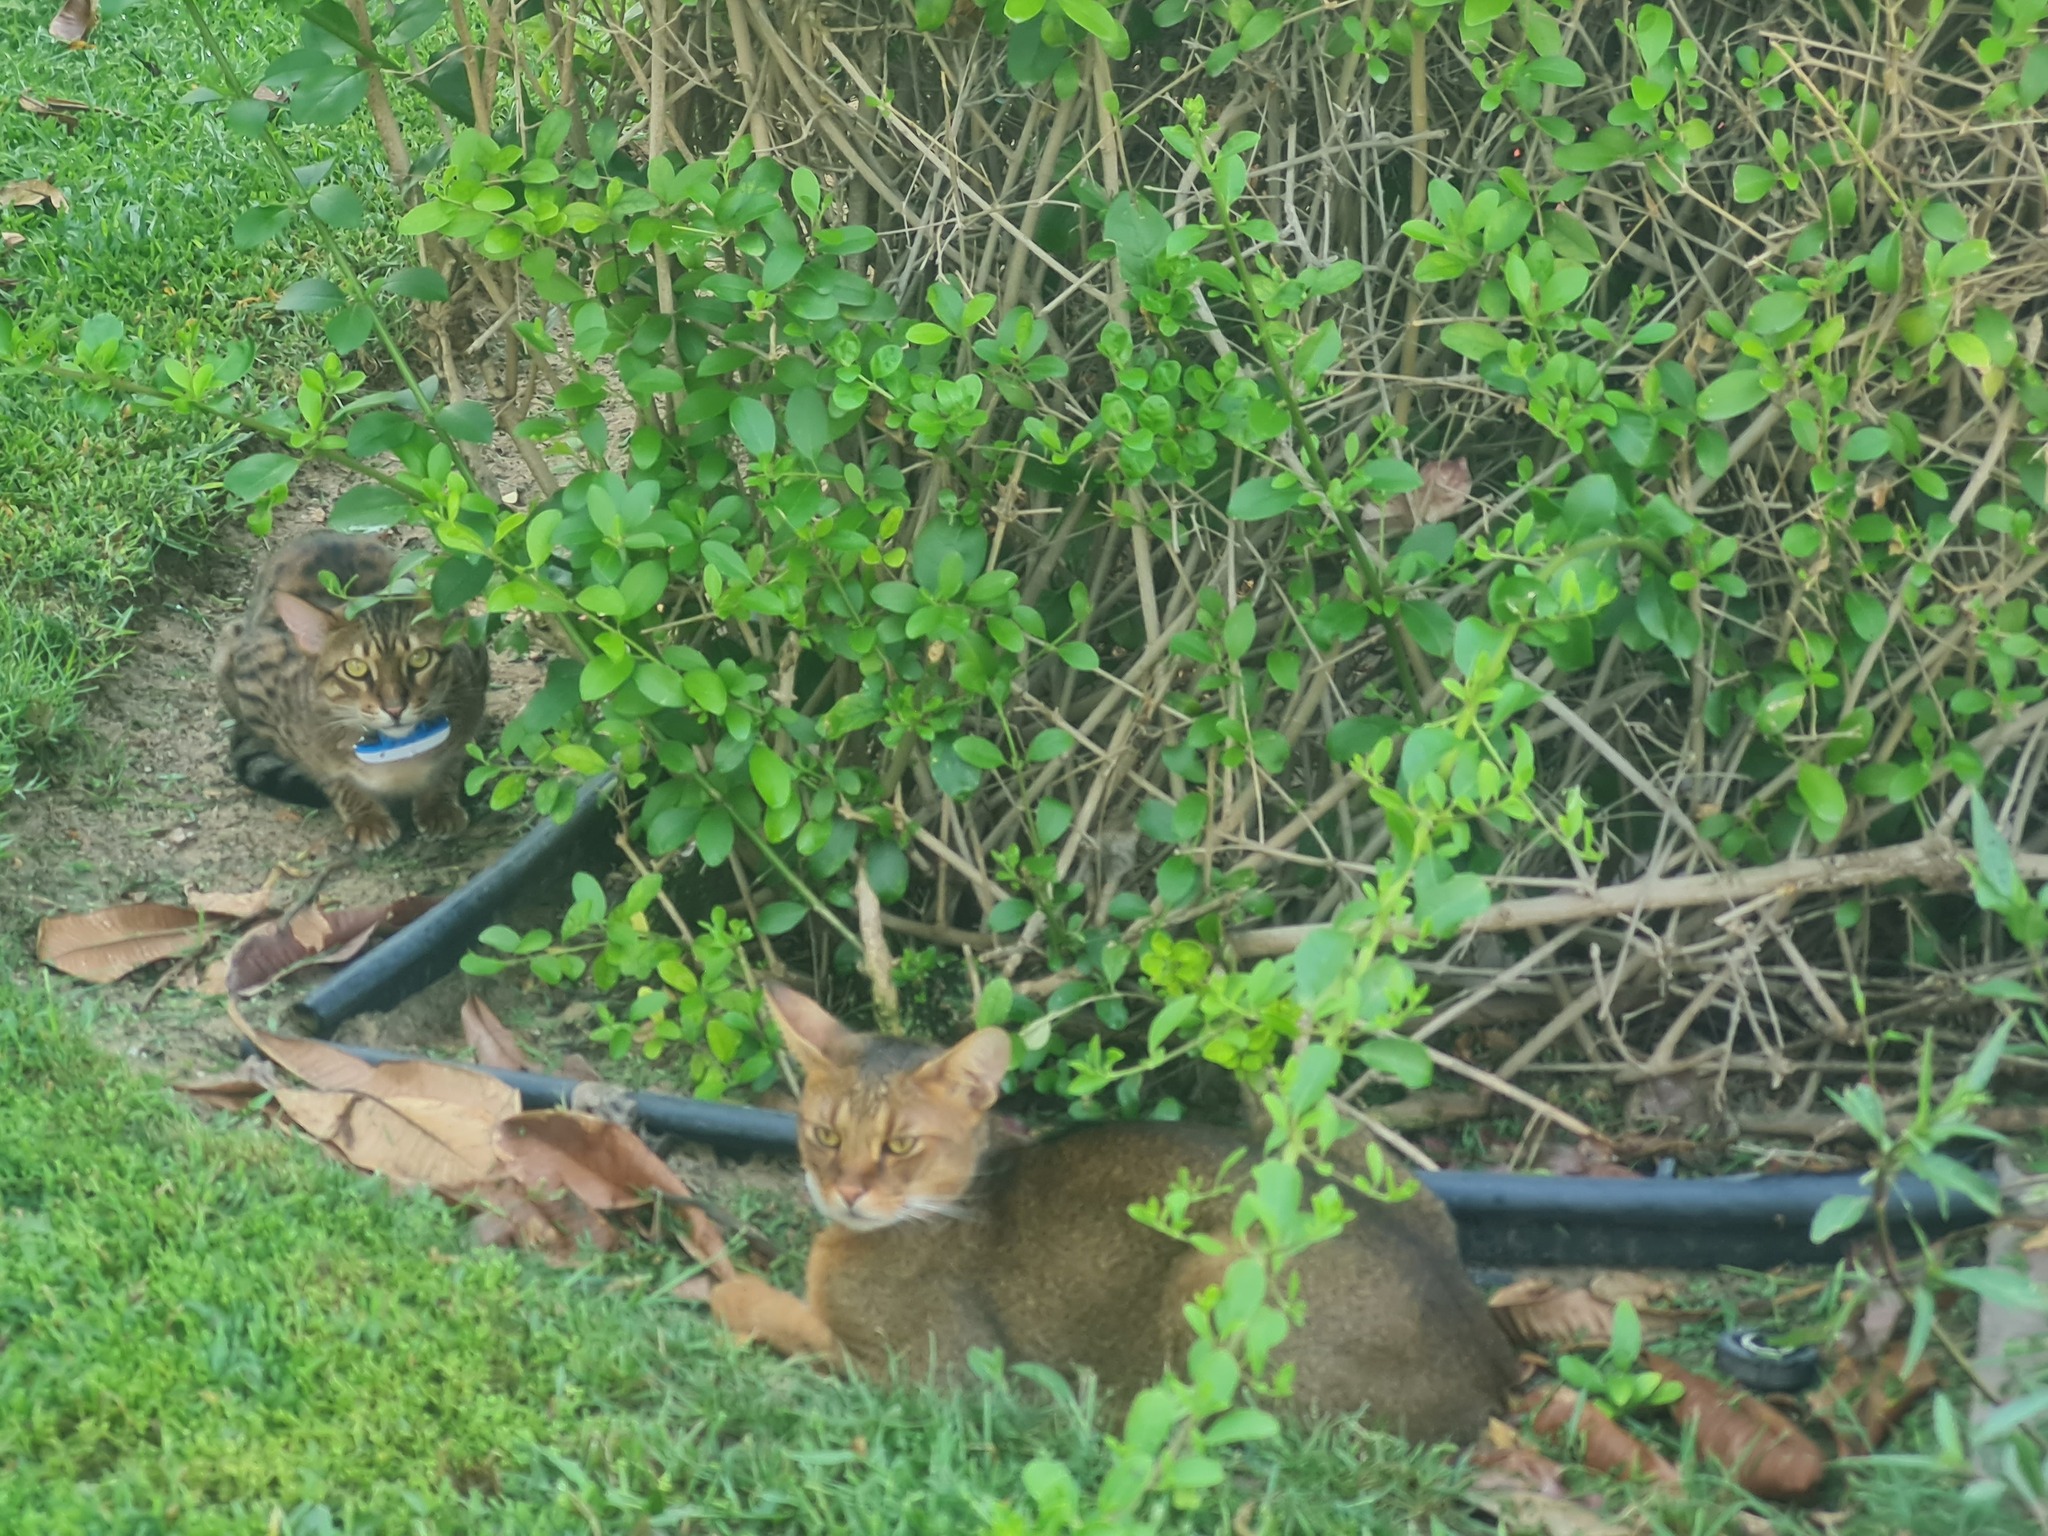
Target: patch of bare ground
(145, 807)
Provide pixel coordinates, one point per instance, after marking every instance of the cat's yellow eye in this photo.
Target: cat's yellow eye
(419, 661)
(900, 1146)
(355, 669)
(824, 1136)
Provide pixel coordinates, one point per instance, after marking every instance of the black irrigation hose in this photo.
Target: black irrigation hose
(1505, 1220)
(427, 949)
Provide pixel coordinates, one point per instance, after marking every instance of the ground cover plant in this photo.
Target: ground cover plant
(152, 187)
(1157, 515)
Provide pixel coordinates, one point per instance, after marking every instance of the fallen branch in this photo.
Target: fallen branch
(1932, 861)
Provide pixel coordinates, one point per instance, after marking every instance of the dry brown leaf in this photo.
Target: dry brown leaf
(266, 93)
(1588, 1159)
(1607, 1446)
(554, 1227)
(1446, 488)
(237, 1088)
(61, 108)
(444, 1146)
(696, 1288)
(1617, 1285)
(1872, 1394)
(74, 23)
(1537, 1311)
(1765, 1452)
(32, 194)
(318, 1063)
(240, 906)
(314, 938)
(1519, 1512)
(1507, 1463)
(106, 945)
(604, 1165)
(331, 1069)
(493, 1043)
(578, 1070)
(315, 1111)
(10, 238)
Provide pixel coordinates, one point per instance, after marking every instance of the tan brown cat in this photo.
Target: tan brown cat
(942, 1242)
(359, 713)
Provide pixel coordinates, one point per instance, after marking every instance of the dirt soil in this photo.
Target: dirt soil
(148, 809)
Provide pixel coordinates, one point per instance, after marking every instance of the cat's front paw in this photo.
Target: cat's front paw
(439, 818)
(371, 829)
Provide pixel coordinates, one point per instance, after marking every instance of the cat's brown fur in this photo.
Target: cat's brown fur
(942, 1243)
(305, 685)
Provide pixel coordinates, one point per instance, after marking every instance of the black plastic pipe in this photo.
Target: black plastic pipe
(430, 947)
(1505, 1220)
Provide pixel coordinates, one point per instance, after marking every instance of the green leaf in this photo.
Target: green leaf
(367, 508)
(1826, 805)
(888, 872)
(418, 283)
(978, 752)
(467, 421)
(1399, 1057)
(258, 226)
(603, 676)
(753, 424)
(350, 326)
(771, 776)
(1838, 1214)
(706, 690)
(2005, 1287)
(1731, 395)
(1239, 629)
(1131, 224)
(1429, 624)
(1470, 339)
(1257, 499)
(1049, 744)
(661, 683)
(1753, 183)
(779, 917)
(714, 836)
(310, 296)
(337, 206)
(1946, 222)
(1080, 655)
(247, 479)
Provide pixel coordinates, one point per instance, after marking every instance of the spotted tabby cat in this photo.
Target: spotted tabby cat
(355, 713)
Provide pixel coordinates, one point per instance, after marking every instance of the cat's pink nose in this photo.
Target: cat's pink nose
(850, 1193)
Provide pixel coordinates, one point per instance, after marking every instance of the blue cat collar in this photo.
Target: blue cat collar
(390, 747)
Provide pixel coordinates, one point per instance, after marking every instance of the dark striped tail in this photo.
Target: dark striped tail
(258, 765)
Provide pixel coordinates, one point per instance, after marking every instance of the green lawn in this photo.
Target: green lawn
(204, 1327)
(86, 504)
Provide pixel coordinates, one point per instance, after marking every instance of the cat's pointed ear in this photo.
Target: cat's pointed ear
(309, 625)
(973, 1070)
(814, 1037)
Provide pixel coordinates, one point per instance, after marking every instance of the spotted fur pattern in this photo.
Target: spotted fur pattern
(305, 684)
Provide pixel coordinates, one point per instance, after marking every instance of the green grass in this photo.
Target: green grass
(88, 502)
(203, 1325)
(209, 1328)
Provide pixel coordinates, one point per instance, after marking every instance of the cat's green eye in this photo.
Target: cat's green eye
(825, 1136)
(900, 1146)
(419, 661)
(355, 669)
